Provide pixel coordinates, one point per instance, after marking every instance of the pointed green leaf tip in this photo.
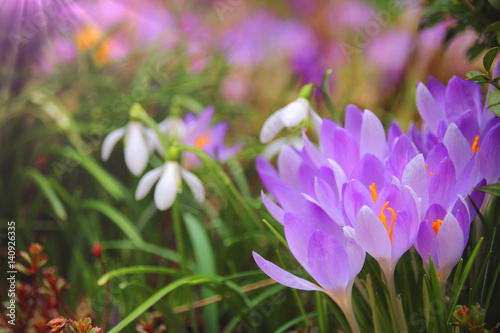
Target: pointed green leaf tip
(489, 57)
(306, 91)
(494, 101)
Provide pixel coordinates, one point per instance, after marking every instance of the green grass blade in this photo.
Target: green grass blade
(44, 185)
(118, 218)
(135, 270)
(465, 274)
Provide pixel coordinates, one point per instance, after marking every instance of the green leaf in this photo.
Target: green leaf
(435, 296)
(205, 262)
(493, 189)
(490, 56)
(494, 27)
(463, 277)
(286, 326)
(44, 185)
(195, 279)
(110, 184)
(118, 218)
(135, 270)
(495, 4)
(494, 101)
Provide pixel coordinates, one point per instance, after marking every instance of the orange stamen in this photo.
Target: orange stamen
(383, 218)
(426, 166)
(201, 141)
(475, 144)
(373, 191)
(432, 173)
(90, 37)
(436, 225)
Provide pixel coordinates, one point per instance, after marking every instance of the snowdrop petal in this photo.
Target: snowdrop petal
(195, 185)
(146, 182)
(110, 141)
(272, 126)
(295, 112)
(168, 186)
(136, 148)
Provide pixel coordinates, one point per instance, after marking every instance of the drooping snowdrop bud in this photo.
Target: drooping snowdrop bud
(290, 116)
(136, 146)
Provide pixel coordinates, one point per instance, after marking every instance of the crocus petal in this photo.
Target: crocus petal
(312, 154)
(442, 184)
(468, 126)
(355, 196)
(449, 244)
(273, 208)
(295, 112)
(355, 252)
(489, 156)
(369, 170)
(168, 186)
(345, 150)
(136, 148)
(428, 108)
(426, 242)
(372, 136)
(283, 277)
(394, 133)
(267, 174)
(353, 121)
(404, 151)
(328, 262)
(298, 231)
(372, 236)
(461, 97)
(195, 185)
(415, 176)
(328, 199)
(146, 182)
(438, 91)
(289, 162)
(458, 148)
(326, 137)
(461, 213)
(400, 237)
(110, 141)
(272, 126)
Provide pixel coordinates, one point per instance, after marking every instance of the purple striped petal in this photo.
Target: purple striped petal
(288, 165)
(442, 184)
(353, 121)
(458, 148)
(355, 196)
(370, 170)
(328, 262)
(372, 139)
(272, 208)
(428, 108)
(415, 176)
(372, 236)
(489, 156)
(283, 277)
(449, 244)
(426, 242)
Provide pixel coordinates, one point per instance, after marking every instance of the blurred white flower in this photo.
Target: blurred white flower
(169, 177)
(136, 146)
(172, 127)
(289, 116)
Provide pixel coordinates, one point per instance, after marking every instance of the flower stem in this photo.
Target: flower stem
(351, 318)
(389, 276)
(178, 235)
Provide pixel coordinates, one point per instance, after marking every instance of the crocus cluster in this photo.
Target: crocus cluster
(364, 191)
(141, 142)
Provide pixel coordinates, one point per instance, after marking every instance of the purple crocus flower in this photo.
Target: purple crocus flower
(199, 133)
(460, 140)
(344, 185)
(328, 253)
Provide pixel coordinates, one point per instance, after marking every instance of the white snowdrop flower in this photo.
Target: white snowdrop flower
(173, 127)
(289, 116)
(136, 146)
(169, 182)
